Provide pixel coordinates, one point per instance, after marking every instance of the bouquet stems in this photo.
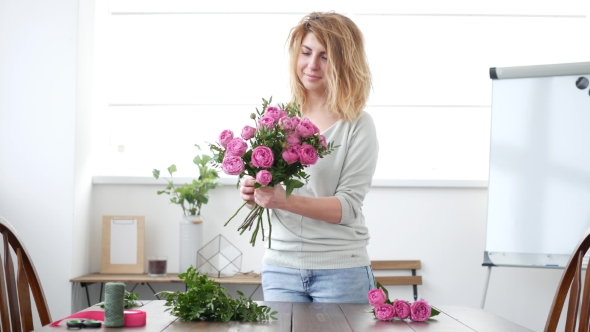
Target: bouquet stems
(255, 214)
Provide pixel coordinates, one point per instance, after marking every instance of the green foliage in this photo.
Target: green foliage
(191, 196)
(206, 300)
(129, 300)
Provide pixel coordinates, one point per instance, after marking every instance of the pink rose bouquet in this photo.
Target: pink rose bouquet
(384, 309)
(276, 149)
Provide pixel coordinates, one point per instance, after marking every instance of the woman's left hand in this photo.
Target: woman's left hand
(271, 197)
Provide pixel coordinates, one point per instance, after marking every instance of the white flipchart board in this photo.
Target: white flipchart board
(539, 181)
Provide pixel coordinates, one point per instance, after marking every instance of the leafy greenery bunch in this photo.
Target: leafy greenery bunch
(191, 196)
(206, 300)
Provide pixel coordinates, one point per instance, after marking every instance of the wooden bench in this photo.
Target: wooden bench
(413, 280)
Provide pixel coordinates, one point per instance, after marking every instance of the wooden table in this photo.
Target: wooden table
(89, 279)
(310, 317)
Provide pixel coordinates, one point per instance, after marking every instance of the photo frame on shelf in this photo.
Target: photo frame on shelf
(123, 244)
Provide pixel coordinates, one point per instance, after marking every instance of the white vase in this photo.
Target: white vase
(191, 240)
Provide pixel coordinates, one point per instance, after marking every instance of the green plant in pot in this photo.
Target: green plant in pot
(191, 197)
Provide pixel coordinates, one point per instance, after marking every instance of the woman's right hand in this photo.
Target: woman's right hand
(247, 190)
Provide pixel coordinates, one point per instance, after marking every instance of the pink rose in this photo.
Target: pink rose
(420, 311)
(293, 139)
(248, 132)
(263, 177)
(232, 165)
(236, 147)
(290, 155)
(402, 309)
(285, 123)
(267, 122)
(295, 121)
(306, 128)
(307, 154)
(384, 312)
(282, 113)
(262, 157)
(225, 137)
(376, 296)
(272, 112)
(323, 141)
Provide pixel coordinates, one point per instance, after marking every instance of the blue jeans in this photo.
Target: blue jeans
(335, 286)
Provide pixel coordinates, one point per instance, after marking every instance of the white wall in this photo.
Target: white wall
(44, 182)
(443, 227)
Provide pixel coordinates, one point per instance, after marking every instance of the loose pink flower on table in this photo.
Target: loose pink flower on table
(264, 177)
(290, 155)
(236, 147)
(402, 309)
(420, 311)
(225, 137)
(233, 165)
(248, 132)
(307, 154)
(293, 139)
(267, 122)
(376, 296)
(262, 157)
(384, 312)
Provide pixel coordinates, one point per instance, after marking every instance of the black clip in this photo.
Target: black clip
(83, 323)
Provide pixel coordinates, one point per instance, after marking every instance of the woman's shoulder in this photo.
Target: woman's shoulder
(364, 120)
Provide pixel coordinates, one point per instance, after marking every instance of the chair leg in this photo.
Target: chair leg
(572, 308)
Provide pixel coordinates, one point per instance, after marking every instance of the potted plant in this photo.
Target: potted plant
(191, 197)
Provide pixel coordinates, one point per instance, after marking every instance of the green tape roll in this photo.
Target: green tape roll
(114, 296)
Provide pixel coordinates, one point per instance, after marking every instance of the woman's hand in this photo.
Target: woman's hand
(271, 197)
(247, 190)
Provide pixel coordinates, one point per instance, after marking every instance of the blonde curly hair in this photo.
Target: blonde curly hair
(347, 74)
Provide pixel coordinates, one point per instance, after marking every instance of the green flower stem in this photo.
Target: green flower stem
(255, 233)
(269, 227)
(247, 225)
(248, 217)
(261, 223)
(235, 213)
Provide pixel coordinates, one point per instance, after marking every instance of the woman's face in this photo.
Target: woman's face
(311, 64)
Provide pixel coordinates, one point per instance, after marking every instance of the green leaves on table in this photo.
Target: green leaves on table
(207, 300)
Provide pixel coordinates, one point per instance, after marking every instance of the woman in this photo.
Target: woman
(319, 236)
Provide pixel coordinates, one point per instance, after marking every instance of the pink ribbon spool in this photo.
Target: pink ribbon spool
(132, 318)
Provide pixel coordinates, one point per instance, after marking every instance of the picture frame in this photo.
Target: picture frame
(123, 244)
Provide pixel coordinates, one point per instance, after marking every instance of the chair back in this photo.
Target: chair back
(18, 279)
(387, 280)
(570, 283)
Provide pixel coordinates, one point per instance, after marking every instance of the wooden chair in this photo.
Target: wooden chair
(15, 300)
(413, 280)
(571, 283)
